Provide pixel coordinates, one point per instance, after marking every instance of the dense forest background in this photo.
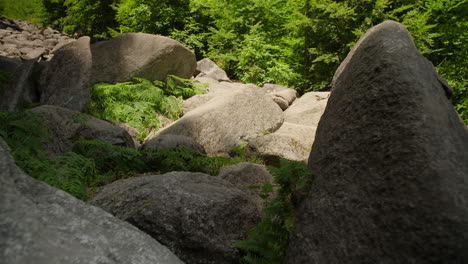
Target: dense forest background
(296, 43)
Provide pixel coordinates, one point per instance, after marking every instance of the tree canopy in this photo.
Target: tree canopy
(297, 43)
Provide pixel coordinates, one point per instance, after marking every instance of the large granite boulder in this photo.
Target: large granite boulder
(65, 81)
(283, 96)
(295, 137)
(197, 216)
(244, 176)
(9, 64)
(390, 157)
(21, 89)
(140, 55)
(228, 119)
(42, 225)
(65, 126)
(207, 68)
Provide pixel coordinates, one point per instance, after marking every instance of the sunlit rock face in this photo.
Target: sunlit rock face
(391, 163)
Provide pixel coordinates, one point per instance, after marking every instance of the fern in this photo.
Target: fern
(25, 134)
(139, 102)
(180, 87)
(75, 174)
(110, 160)
(267, 242)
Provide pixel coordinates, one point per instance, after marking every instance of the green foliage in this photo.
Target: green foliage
(267, 242)
(81, 17)
(111, 160)
(138, 103)
(74, 174)
(25, 134)
(156, 17)
(184, 88)
(183, 158)
(28, 10)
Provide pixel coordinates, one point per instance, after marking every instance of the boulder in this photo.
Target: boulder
(65, 81)
(283, 96)
(8, 64)
(207, 68)
(390, 157)
(140, 55)
(40, 224)
(196, 215)
(293, 140)
(65, 126)
(33, 54)
(245, 175)
(227, 120)
(171, 141)
(21, 89)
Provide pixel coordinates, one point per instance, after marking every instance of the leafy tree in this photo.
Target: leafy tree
(155, 17)
(28, 10)
(81, 17)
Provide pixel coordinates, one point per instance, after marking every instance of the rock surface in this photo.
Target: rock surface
(227, 120)
(196, 215)
(65, 126)
(207, 68)
(140, 55)
(245, 175)
(21, 89)
(295, 137)
(42, 225)
(390, 157)
(283, 96)
(65, 81)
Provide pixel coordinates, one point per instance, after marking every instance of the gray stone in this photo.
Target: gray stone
(228, 120)
(33, 54)
(9, 65)
(140, 55)
(195, 215)
(49, 42)
(245, 175)
(42, 225)
(283, 104)
(293, 140)
(21, 89)
(197, 101)
(308, 109)
(207, 68)
(277, 91)
(390, 161)
(65, 79)
(171, 141)
(25, 49)
(65, 126)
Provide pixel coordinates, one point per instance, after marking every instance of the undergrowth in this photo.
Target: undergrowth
(267, 242)
(138, 102)
(25, 134)
(94, 163)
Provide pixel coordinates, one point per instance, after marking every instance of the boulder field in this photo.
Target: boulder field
(388, 151)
